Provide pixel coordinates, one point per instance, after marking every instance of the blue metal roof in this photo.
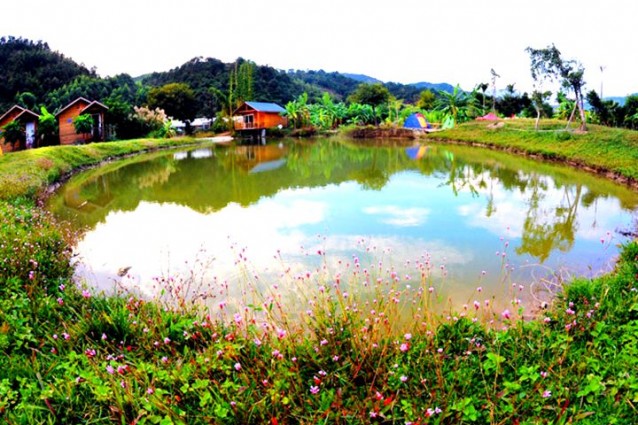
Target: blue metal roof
(266, 107)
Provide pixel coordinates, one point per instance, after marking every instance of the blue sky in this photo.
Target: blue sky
(402, 41)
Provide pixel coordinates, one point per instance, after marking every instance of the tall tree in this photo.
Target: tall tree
(176, 99)
(426, 100)
(370, 94)
(244, 79)
(548, 62)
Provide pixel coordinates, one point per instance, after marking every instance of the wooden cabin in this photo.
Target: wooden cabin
(80, 106)
(252, 116)
(29, 121)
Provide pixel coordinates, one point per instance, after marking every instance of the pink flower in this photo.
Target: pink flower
(404, 347)
(407, 336)
(150, 390)
(86, 294)
(237, 366)
(477, 304)
(314, 389)
(403, 378)
(506, 314)
(547, 394)
(281, 334)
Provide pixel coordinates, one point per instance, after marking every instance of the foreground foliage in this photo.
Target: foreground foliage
(70, 355)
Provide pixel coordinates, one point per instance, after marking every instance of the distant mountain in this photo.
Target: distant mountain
(620, 99)
(434, 86)
(42, 76)
(361, 78)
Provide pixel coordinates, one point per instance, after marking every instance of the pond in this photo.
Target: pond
(449, 218)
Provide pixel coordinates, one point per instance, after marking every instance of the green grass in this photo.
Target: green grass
(601, 149)
(69, 355)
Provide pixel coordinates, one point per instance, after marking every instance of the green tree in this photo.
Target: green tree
(549, 62)
(370, 94)
(83, 124)
(27, 100)
(298, 111)
(176, 99)
(605, 112)
(47, 128)
(482, 87)
(512, 103)
(426, 100)
(13, 134)
(539, 102)
(630, 112)
(452, 103)
(244, 78)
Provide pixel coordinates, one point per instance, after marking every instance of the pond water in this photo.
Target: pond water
(468, 217)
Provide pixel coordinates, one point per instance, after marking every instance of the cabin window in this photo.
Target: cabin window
(249, 121)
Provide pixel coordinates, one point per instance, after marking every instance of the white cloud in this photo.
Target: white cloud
(402, 217)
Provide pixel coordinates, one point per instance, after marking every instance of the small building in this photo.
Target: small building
(29, 121)
(201, 124)
(252, 116)
(81, 106)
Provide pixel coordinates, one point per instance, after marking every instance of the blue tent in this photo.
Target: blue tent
(416, 121)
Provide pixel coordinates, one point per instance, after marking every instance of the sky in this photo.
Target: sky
(405, 41)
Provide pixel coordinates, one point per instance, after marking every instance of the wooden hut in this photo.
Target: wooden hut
(255, 116)
(29, 121)
(81, 106)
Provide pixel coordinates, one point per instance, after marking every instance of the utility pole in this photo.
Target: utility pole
(494, 77)
(602, 68)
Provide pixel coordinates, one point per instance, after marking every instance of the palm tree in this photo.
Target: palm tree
(451, 103)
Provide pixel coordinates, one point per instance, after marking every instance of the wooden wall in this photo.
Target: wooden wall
(68, 136)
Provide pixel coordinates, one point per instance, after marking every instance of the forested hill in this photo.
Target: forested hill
(32, 75)
(31, 68)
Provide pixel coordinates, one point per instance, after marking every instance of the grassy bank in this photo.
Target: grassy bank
(69, 355)
(609, 151)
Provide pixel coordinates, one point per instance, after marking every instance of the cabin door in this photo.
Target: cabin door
(97, 132)
(249, 121)
(29, 131)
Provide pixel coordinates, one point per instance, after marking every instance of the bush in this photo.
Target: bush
(33, 248)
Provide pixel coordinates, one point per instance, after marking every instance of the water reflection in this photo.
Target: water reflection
(481, 217)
